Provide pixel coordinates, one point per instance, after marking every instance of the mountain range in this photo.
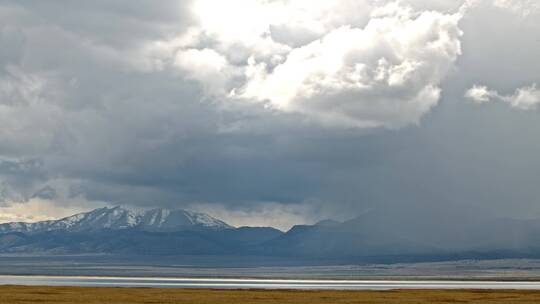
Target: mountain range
(117, 218)
(374, 236)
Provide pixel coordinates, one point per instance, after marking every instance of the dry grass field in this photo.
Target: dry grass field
(89, 295)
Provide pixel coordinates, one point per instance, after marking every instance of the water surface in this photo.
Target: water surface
(227, 283)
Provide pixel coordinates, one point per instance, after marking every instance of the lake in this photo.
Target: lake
(227, 283)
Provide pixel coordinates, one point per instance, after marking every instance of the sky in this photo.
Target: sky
(270, 112)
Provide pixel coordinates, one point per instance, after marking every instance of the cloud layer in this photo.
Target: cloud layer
(252, 108)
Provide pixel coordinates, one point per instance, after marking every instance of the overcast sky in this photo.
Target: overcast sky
(270, 112)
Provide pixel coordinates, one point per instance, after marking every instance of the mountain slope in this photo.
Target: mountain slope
(137, 242)
(121, 231)
(383, 234)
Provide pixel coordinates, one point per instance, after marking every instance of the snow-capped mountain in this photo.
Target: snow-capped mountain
(116, 218)
(162, 232)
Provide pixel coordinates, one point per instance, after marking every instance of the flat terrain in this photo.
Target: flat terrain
(91, 295)
(257, 267)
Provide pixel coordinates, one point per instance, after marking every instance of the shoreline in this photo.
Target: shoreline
(352, 278)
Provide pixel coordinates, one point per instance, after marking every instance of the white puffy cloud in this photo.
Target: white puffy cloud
(522, 7)
(525, 98)
(480, 94)
(206, 66)
(380, 69)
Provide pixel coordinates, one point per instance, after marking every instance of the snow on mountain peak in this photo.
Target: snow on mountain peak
(120, 218)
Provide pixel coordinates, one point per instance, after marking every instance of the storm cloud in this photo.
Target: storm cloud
(298, 110)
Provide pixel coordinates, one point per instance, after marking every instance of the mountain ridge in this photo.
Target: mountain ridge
(377, 236)
(116, 218)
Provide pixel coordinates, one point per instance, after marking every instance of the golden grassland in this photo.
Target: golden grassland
(113, 295)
